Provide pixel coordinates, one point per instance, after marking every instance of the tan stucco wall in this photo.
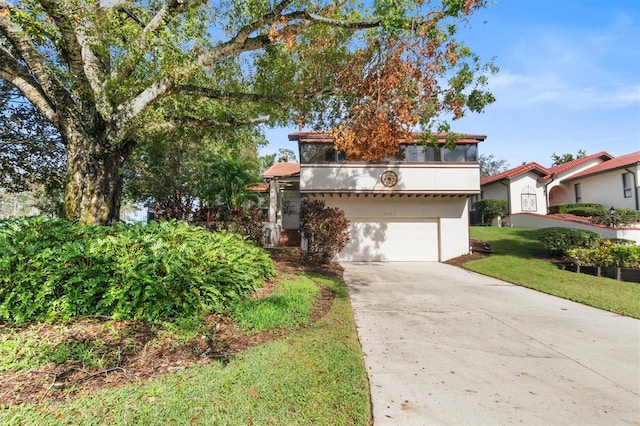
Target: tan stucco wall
(498, 191)
(434, 178)
(606, 189)
(449, 213)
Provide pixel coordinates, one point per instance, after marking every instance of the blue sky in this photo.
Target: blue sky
(569, 79)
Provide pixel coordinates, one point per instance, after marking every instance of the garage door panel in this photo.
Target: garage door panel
(392, 240)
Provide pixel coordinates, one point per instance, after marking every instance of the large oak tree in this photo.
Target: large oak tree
(110, 73)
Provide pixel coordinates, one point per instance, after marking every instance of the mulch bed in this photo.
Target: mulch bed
(135, 361)
(479, 250)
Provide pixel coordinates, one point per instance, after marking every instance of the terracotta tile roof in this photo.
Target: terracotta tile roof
(516, 171)
(259, 187)
(319, 137)
(605, 156)
(613, 164)
(282, 170)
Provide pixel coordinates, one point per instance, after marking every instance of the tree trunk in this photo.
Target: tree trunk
(93, 187)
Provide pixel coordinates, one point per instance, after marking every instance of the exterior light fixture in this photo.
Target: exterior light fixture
(612, 212)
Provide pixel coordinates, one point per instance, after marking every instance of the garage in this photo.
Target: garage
(392, 240)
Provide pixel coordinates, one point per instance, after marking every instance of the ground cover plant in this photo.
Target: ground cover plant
(198, 370)
(520, 258)
(54, 270)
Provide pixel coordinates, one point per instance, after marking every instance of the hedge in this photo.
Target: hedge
(559, 240)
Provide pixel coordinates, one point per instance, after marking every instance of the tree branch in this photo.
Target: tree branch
(230, 122)
(170, 124)
(336, 23)
(48, 85)
(78, 54)
(127, 111)
(169, 10)
(222, 95)
(243, 42)
(18, 76)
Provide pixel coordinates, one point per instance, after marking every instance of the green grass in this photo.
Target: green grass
(287, 307)
(516, 261)
(312, 376)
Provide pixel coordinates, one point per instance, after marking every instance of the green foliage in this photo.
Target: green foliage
(559, 240)
(565, 158)
(314, 376)
(607, 253)
(287, 307)
(568, 207)
(227, 180)
(32, 151)
(325, 228)
(490, 165)
(491, 208)
(145, 71)
(55, 270)
(247, 222)
(169, 174)
(624, 217)
(598, 213)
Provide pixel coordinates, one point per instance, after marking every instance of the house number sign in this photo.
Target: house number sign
(389, 178)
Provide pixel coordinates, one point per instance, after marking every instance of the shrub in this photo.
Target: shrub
(55, 270)
(607, 254)
(564, 208)
(246, 222)
(559, 240)
(597, 213)
(625, 217)
(325, 228)
(625, 256)
(597, 256)
(491, 208)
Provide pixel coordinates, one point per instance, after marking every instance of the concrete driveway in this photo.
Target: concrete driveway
(444, 346)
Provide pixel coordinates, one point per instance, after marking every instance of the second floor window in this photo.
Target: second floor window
(626, 185)
(412, 153)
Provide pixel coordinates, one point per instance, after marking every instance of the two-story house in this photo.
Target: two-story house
(410, 208)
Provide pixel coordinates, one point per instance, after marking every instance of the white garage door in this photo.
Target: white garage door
(386, 240)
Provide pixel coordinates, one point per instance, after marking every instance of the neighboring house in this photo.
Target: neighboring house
(611, 183)
(598, 178)
(519, 186)
(557, 189)
(410, 208)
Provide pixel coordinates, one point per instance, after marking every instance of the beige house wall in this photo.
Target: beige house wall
(414, 178)
(432, 228)
(606, 189)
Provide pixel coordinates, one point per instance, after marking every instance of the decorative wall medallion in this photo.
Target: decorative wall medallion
(389, 178)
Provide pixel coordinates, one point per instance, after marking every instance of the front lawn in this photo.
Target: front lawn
(519, 260)
(309, 374)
